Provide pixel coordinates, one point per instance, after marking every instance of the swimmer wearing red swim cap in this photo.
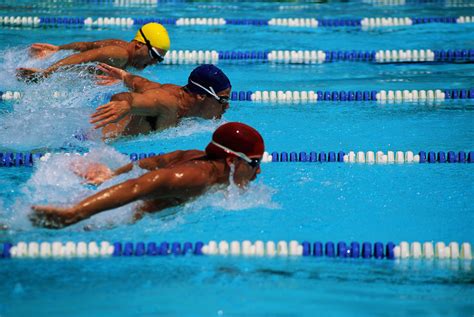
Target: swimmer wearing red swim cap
(150, 45)
(236, 150)
(151, 106)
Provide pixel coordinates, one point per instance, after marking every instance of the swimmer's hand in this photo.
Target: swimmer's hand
(112, 75)
(29, 74)
(111, 112)
(53, 217)
(42, 50)
(94, 174)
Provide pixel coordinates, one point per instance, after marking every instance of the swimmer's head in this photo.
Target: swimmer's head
(208, 79)
(235, 139)
(155, 37)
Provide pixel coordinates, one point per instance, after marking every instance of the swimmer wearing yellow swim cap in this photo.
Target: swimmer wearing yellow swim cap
(156, 38)
(150, 45)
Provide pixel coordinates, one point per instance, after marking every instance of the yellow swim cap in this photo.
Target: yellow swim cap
(156, 34)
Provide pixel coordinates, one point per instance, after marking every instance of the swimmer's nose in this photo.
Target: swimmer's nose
(256, 173)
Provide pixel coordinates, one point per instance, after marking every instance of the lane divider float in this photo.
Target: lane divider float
(365, 23)
(247, 248)
(443, 3)
(311, 96)
(373, 157)
(20, 159)
(179, 57)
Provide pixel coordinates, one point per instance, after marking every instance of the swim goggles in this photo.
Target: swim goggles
(253, 162)
(222, 99)
(153, 52)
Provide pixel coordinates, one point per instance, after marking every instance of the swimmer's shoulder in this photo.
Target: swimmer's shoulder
(111, 42)
(183, 156)
(158, 88)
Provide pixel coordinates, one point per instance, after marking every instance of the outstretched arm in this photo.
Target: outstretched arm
(150, 103)
(110, 55)
(97, 173)
(81, 46)
(181, 182)
(151, 163)
(134, 82)
(43, 50)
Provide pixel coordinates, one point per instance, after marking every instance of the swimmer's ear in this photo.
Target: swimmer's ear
(200, 97)
(139, 45)
(230, 160)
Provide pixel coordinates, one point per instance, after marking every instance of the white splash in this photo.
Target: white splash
(54, 183)
(218, 199)
(40, 120)
(233, 197)
(17, 57)
(189, 126)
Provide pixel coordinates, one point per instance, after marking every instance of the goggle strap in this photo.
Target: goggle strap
(144, 37)
(211, 91)
(238, 154)
(148, 44)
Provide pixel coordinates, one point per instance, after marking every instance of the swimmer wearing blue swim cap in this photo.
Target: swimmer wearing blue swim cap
(234, 153)
(152, 106)
(208, 79)
(150, 45)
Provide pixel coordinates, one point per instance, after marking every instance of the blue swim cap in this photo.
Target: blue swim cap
(207, 79)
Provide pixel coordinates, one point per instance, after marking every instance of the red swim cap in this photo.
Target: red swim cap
(237, 137)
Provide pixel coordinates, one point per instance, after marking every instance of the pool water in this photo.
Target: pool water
(297, 201)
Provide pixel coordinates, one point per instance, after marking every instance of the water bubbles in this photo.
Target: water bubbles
(52, 114)
(54, 183)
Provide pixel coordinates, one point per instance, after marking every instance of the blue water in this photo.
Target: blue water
(303, 201)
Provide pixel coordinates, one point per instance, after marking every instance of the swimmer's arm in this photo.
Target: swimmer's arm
(155, 102)
(111, 55)
(133, 82)
(138, 84)
(78, 46)
(182, 182)
(85, 46)
(149, 103)
(150, 163)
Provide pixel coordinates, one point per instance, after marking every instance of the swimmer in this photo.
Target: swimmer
(152, 106)
(149, 47)
(235, 151)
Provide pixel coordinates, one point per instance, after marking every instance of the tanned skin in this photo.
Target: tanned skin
(173, 179)
(112, 52)
(164, 105)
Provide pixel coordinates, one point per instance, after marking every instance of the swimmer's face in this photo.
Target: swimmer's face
(142, 57)
(213, 108)
(245, 173)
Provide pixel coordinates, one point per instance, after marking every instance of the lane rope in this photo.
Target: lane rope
(26, 159)
(247, 248)
(177, 57)
(312, 96)
(364, 23)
